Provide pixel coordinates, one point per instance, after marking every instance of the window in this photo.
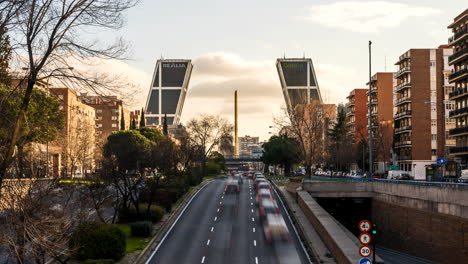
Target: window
(114, 125)
(98, 117)
(98, 125)
(434, 136)
(115, 117)
(434, 152)
(434, 122)
(433, 63)
(98, 111)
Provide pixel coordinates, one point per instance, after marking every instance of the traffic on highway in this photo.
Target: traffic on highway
(233, 219)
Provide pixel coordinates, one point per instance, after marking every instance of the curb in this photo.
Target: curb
(145, 254)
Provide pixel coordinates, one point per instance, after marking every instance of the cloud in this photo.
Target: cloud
(365, 16)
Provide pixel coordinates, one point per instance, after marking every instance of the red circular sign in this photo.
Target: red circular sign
(365, 238)
(365, 251)
(364, 226)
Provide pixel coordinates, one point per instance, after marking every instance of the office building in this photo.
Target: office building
(247, 144)
(459, 78)
(420, 117)
(298, 81)
(382, 119)
(167, 93)
(357, 114)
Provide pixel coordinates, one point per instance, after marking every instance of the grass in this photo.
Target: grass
(133, 243)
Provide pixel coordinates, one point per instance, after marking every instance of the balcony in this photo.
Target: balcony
(459, 150)
(403, 100)
(459, 131)
(460, 92)
(403, 114)
(402, 71)
(402, 86)
(402, 58)
(373, 90)
(458, 112)
(404, 157)
(352, 102)
(457, 56)
(403, 129)
(402, 144)
(457, 36)
(458, 75)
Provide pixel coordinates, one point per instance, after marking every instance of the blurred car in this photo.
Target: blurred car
(232, 186)
(257, 181)
(263, 194)
(262, 185)
(275, 229)
(265, 207)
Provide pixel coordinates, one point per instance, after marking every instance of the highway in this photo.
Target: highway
(224, 228)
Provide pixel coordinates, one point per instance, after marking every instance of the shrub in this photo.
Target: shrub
(154, 214)
(141, 229)
(98, 261)
(96, 241)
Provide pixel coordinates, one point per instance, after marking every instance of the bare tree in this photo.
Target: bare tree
(206, 132)
(48, 34)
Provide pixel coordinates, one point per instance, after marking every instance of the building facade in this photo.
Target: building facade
(459, 78)
(382, 119)
(420, 108)
(167, 93)
(357, 114)
(247, 145)
(298, 81)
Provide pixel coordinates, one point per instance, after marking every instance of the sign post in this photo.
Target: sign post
(365, 239)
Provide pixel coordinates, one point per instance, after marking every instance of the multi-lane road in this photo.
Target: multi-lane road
(217, 227)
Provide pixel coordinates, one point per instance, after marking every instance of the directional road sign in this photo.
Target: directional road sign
(364, 226)
(365, 238)
(365, 261)
(441, 161)
(365, 251)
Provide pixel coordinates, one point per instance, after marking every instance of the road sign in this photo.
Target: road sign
(394, 167)
(441, 161)
(365, 238)
(365, 261)
(365, 251)
(364, 225)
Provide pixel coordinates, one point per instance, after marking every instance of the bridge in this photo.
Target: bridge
(241, 159)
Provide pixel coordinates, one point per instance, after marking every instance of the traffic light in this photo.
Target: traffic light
(374, 230)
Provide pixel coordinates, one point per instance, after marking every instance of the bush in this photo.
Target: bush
(154, 215)
(98, 261)
(97, 241)
(141, 229)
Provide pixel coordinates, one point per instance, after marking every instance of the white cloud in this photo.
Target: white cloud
(365, 16)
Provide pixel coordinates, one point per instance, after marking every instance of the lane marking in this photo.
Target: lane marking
(216, 218)
(251, 203)
(253, 220)
(208, 242)
(256, 260)
(218, 210)
(212, 228)
(252, 211)
(253, 229)
(255, 243)
(250, 197)
(220, 202)
(203, 259)
(222, 197)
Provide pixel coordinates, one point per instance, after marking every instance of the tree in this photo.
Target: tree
(341, 142)
(5, 55)
(122, 120)
(282, 150)
(206, 133)
(133, 124)
(50, 32)
(142, 118)
(165, 132)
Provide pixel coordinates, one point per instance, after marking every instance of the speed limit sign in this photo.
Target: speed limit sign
(365, 251)
(364, 225)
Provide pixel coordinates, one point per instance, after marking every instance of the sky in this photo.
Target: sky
(234, 45)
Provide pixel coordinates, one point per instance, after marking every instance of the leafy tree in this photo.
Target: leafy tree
(142, 118)
(165, 132)
(122, 120)
(282, 150)
(340, 141)
(152, 134)
(5, 55)
(133, 124)
(216, 163)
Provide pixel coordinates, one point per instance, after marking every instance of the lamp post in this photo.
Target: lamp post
(370, 115)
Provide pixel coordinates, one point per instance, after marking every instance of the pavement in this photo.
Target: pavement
(225, 228)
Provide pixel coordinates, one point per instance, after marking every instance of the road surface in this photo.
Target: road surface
(224, 228)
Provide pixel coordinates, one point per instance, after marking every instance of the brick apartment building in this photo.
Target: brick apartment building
(382, 119)
(420, 94)
(357, 111)
(459, 78)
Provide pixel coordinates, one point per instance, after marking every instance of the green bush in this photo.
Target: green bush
(154, 214)
(98, 261)
(141, 229)
(93, 240)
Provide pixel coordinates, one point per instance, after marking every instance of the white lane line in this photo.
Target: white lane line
(251, 203)
(253, 219)
(255, 243)
(253, 229)
(212, 228)
(208, 242)
(222, 197)
(250, 197)
(252, 211)
(216, 218)
(256, 260)
(203, 259)
(220, 202)
(218, 210)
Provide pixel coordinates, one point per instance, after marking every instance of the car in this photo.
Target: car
(262, 185)
(258, 180)
(275, 229)
(265, 207)
(232, 186)
(263, 194)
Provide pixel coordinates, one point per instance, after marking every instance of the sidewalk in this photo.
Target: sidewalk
(319, 249)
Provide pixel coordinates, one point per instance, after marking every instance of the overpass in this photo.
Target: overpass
(425, 219)
(241, 159)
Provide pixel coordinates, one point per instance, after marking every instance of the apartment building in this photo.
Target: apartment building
(459, 78)
(382, 119)
(420, 117)
(247, 144)
(77, 139)
(357, 111)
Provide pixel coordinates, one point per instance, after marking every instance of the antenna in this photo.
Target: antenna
(284, 55)
(385, 64)
(303, 54)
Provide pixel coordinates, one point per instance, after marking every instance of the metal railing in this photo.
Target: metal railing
(458, 92)
(457, 35)
(403, 100)
(403, 70)
(458, 130)
(456, 150)
(460, 111)
(457, 74)
(448, 183)
(403, 113)
(457, 55)
(403, 128)
(402, 86)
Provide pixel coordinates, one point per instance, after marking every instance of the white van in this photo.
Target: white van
(396, 174)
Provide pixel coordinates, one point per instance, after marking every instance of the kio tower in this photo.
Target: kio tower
(298, 81)
(167, 93)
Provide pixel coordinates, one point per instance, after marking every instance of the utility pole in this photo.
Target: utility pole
(370, 115)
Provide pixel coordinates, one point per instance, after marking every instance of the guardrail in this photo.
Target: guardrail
(449, 184)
